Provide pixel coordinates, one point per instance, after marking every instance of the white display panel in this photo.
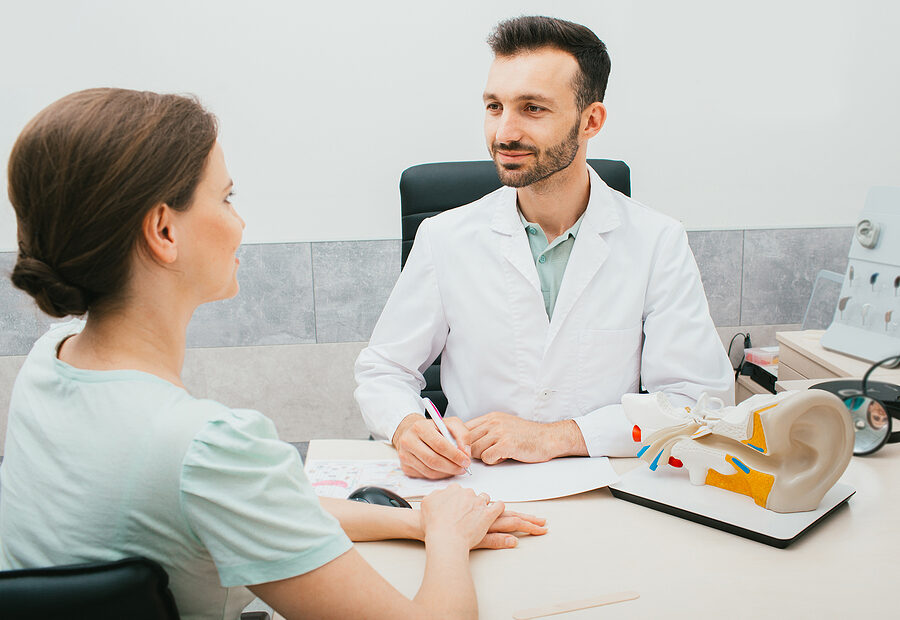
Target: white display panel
(866, 321)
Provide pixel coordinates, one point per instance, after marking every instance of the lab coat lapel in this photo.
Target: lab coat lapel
(513, 242)
(589, 252)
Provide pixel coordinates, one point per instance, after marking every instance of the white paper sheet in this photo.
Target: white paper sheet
(509, 481)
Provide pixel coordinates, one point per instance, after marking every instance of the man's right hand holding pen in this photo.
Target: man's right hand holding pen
(425, 453)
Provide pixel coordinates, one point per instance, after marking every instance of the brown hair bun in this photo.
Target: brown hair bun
(53, 295)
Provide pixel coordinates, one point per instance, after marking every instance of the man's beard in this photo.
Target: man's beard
(546, 163)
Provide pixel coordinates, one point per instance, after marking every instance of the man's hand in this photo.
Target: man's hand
(425, 453)
(498, 436)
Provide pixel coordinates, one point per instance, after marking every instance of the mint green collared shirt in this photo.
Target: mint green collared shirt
(550, 258)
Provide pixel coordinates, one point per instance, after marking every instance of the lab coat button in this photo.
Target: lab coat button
(545, 394)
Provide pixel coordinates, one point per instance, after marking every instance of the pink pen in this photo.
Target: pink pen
(439, 422)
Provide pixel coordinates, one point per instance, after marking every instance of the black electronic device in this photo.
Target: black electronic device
(379, 496)
(759, 375)
(871, 408)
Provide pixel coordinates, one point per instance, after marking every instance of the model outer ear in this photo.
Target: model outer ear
(810, 442)
(801, 444)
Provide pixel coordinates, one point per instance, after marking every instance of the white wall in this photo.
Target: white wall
(731, 115)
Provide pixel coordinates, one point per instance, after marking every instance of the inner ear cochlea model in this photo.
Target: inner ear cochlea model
(785, 451)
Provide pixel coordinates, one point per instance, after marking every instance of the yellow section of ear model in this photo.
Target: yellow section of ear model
(744, 480)
(757, 440)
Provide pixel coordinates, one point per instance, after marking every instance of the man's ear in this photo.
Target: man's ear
(158, 230)
(593, 118)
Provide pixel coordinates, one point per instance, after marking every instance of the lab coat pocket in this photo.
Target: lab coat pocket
(609, 365)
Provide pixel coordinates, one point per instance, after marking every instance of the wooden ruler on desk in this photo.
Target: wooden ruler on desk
(561, 608)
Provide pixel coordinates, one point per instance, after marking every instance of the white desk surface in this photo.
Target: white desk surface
(843, 568)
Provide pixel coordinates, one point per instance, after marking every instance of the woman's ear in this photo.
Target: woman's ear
(158, 230)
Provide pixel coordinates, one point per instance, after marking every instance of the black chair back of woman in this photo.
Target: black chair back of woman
(429, 189)
(133, 588)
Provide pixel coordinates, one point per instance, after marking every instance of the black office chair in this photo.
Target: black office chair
(133, 588)
(429, 189)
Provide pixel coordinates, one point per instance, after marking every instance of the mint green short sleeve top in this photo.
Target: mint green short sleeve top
(100, 465)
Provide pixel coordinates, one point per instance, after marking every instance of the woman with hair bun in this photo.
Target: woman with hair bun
(124, 212)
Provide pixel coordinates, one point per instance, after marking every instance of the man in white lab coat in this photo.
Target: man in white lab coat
(549, 298)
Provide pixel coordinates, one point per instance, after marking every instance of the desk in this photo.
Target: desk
(598, 544)
(745, 387)
(800, 356)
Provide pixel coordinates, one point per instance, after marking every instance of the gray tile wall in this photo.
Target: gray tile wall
(305, 389)
(719, 255)
(20, 320)
(780, 267)
(286, 344)
(352, 282)
(331, 292)
(274, 306)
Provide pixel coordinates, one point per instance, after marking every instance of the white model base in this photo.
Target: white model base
(669, 490)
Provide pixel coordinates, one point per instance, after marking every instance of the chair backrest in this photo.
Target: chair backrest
(133, 588)
(429, 189)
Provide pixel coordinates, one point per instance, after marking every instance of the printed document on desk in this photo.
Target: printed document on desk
(509, 481)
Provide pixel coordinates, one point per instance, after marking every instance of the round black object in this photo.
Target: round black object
(379, 496)
(870, 412)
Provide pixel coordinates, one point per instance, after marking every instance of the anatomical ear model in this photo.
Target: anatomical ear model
(785, 451)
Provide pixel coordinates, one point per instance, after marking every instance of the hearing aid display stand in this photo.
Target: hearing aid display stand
(866, 321)
(669, 490)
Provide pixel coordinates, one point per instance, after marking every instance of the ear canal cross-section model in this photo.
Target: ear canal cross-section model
(784, 451)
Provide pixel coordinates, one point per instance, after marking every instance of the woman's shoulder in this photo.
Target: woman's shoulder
(216, 424)
(209, 411)
(208, 427)
(188, 421)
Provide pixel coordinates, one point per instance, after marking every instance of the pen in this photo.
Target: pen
(439, 422)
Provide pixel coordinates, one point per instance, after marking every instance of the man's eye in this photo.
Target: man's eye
(230, 195)
(534, 109)
(493, 107)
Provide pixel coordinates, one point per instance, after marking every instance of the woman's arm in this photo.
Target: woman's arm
(362, 521)
(454, 521)
(365, 522)
(348, 587)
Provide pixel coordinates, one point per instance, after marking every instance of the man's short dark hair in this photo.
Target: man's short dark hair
(528, 33)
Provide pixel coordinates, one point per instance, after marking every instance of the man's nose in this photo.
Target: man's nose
(508, 128)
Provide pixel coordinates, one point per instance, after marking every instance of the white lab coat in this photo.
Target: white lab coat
(631, 308)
